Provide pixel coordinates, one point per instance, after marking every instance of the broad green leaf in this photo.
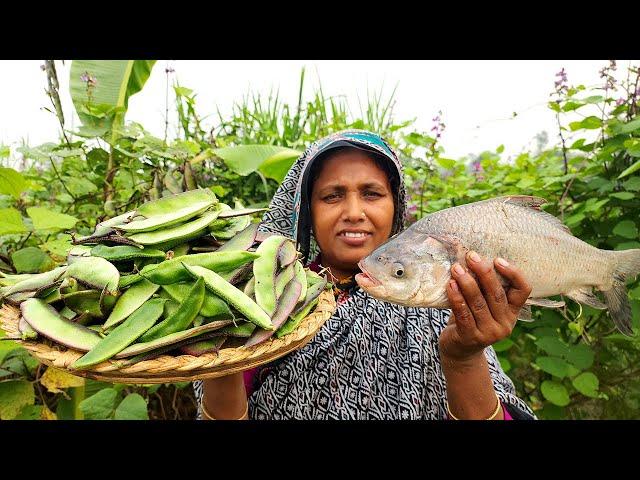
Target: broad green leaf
(246, 159)
(14, 395)
(580, 355)
(552, 412)
(219, 190)
(587, 384)
(627, 245)
(5, 151)
(11, 182)
(626, 229)
(45, 219)
(633, 147)
(277, 166)
(29, 412)
(11, 222)
(183, 91)
(133, 407)
(569, 106)
(64, 409)
(632, 169)
(629, 127)
(446, 163)
(59, 247)
(7, 346)
(553, 365)
(79, 186)
(505, 363)
(111, 83)
(593, 99)
(555, 392)
(99, 406)
(31, 260)
(503, 345)
(56, 380)
(553, 346)
(588, 123)
(632, 184)
(622, 195)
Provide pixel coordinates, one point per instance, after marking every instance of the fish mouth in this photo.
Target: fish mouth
(365, 279)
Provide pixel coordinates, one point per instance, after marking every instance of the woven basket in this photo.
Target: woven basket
(181, 368)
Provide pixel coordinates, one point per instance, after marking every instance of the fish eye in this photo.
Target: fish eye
(398, 270)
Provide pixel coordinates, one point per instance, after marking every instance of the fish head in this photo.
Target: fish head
(412, 270)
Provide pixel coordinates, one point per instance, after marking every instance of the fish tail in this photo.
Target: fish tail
(627, 267)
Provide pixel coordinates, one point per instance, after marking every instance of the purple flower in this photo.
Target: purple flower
(619, 102)
(169, 70)
(89, 79)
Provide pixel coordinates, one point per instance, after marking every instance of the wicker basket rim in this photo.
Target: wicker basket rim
(166, 368)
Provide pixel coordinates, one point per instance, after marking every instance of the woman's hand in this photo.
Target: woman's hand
(483, 313)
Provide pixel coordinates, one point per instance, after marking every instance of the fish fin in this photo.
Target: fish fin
(457, 251)
(616, 298)
(534, 203)
(544, 302)
(523, 200)
(525, 314)
(587, 297)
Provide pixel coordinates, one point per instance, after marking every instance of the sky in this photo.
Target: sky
(477, 98)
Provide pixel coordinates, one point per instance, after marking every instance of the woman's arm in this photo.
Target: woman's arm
(224, 398)
(482, 314)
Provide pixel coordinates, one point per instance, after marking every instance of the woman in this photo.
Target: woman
(375, 360)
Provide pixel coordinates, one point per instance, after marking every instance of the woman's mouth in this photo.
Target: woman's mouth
(354, 238)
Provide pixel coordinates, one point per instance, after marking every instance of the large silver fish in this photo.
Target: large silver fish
(413, 268)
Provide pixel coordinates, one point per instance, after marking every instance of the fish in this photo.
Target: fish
(413, 267)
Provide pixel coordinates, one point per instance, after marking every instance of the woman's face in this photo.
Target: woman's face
(349, 184)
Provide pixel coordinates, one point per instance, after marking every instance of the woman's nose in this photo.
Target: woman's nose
(353, 210)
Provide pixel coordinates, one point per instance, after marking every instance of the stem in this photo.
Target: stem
(266, 186)
(564, 146)
(108, 190)
(52, 79)
(164, 414)
(564, 194)
(25, 240)
(77, 396)
(53, 164)
(166, 108)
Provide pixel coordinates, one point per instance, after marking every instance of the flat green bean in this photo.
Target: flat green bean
(232, 296)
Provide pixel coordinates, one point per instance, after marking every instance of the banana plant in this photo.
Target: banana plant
(100, 91)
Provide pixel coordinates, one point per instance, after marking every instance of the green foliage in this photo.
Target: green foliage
(11, 182)
(133, 407)
(14, 395)
(31, 260)
(567, 363)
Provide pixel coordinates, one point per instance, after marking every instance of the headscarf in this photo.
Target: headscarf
(371, 359)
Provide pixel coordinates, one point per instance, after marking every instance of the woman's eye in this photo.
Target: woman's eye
(372, 194)
(331, 196)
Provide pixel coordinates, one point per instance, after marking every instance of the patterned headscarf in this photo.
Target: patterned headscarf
(371, 359)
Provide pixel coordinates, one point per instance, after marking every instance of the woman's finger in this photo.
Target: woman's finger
(490, 285)
(474, 298)
(520, 288)
(463, 318)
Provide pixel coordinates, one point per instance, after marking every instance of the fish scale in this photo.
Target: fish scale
(553, 261)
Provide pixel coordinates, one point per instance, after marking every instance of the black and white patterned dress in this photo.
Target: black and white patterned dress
(371, 359)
